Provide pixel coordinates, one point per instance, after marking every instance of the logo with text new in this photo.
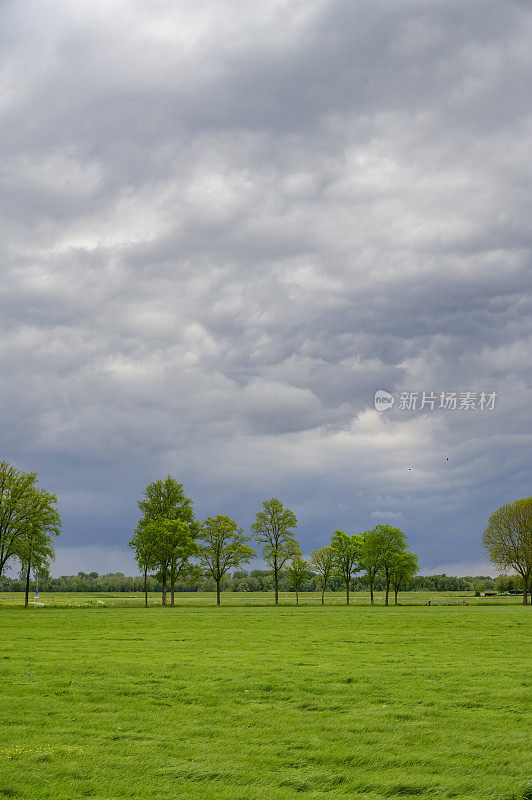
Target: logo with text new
(383, 400)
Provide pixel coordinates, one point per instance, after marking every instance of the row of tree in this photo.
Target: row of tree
(177, 550)
(170, 543)
(256, 580)
(29, 521)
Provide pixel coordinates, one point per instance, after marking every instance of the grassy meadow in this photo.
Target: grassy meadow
(77, 599)
(242, 702)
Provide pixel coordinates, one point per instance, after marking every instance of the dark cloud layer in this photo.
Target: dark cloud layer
(226, 225)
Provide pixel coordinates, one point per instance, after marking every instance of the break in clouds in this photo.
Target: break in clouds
(225, 225)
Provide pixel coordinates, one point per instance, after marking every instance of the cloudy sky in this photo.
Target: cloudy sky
(226, 224)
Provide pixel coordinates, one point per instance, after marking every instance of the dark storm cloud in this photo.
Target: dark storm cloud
(226, 225)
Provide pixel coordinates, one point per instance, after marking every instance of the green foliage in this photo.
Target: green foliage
(371, 557)
(273, 529)
(165, 537)
(167, 500)
(224, 546)
(381, 546)
(175, 546)
(508, 583)
(144, 543)
(507, 539)
(29, 521)
(178, 545)
(298, 572)
(27, 514)
(346, 556)
(322, 562)
(403, 567)
(35, 545)
(256, 580)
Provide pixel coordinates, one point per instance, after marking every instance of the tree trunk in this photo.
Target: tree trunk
(323, 595)
(525, 576)
(371, 591)
(218, 592)
(164, 590)
(26, 599)
(297, 598)
(395, 592)
(172, 592)
(347, 592)
(276, 582)
(146, 587)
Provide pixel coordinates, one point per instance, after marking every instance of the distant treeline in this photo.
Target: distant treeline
(256, 580)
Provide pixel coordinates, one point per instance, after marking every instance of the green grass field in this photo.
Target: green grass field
(245, 702)
(76, 599)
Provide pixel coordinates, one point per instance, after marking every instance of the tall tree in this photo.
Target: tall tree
(371, 558)
(179, 541)
(322, 561)
(35, 545)
(346, 556)
(163, 503)
(391, 541)
(16, 493)
(175, 545)
(298, 571)
(144, 543)
(273, 529)
(404, 566)
(508, 539)
(223, 546)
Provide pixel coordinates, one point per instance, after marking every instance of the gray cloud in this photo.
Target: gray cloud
(225, 227)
